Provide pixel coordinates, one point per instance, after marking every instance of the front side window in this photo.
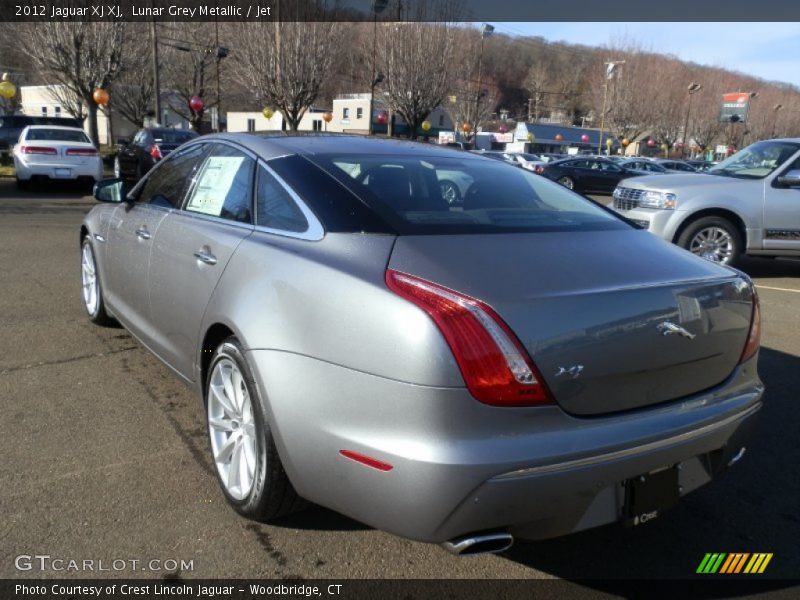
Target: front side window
(415, 195)
(223, 185)
(167, 184)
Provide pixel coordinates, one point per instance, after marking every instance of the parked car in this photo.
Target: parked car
(526, 160)
(675, 166)
(359, 343)
(587, 174)
(137, 156)
(747, 204)
(700, 165)
(54, 152)
(642, 164)
(505, 157)
(12, 125)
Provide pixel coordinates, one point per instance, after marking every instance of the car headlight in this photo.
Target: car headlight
(651, 199)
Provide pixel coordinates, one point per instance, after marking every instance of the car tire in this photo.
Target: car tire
(567, 182)
(23, 184)
(140, 171)
(91, 287)
(266, 493)
(713, 238)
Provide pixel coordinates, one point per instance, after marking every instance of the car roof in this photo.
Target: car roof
(273, 145)
(64, 127)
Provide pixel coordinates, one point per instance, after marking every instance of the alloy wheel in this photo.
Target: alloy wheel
(232, 429)
(89, 280)
(713, 243)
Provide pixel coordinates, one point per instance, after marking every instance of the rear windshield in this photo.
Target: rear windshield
(56, 135)
(434, 194)
(172, 136)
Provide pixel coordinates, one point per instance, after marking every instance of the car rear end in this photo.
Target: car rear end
(56, 153)
(532, 378)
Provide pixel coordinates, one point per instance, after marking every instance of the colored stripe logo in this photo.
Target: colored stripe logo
(733, 563)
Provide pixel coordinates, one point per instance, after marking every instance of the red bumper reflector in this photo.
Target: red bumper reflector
(366, 460)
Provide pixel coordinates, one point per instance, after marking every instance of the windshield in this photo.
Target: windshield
(433, 194)
(756, 161)
(57, 135)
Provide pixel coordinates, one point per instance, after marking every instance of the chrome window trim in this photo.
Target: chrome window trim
(315, 231)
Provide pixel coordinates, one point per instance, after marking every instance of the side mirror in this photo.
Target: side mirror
(791, 179)
(110, 190)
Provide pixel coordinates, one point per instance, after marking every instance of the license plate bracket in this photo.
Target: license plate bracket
(647, 495)
(66, 173)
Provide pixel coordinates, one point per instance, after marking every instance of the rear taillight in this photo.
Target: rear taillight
(754, 337)
(81, 152)
(538, 169)
(37, 150)
(155, 152)
(495, 366)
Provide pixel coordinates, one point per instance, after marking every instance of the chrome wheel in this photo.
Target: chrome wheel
(713, 243)
(117, 168)
(89, 280)
(567, 182)
(232, 428)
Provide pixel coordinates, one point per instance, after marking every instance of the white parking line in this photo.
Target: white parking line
(766, 287)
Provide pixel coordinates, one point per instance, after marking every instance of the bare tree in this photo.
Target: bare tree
(416, 59)
(472, 96)
(286, 63)
(81, 57)
(132, 92)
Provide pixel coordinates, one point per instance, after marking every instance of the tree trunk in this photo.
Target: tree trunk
(93, 132)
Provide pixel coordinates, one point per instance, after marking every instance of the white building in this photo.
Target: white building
(41, 101)
(255, 121)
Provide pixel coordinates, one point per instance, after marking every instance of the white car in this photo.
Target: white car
(53, 152)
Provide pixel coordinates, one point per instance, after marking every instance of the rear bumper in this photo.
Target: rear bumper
(460, 466)
(26, 170)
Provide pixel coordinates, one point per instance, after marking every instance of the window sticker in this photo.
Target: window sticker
(214, 184)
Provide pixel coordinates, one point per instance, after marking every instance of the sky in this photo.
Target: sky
(767, 50)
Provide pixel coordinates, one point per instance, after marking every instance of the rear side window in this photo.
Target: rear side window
(445, 194)
(275, 207)
(223, 186)
(167, 185)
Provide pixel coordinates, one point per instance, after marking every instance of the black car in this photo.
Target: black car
(12, 125)
(642, 164)
(137, 156)
(676, 165)
(587, 174)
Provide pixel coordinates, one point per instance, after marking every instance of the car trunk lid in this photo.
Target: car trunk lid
(613, 320)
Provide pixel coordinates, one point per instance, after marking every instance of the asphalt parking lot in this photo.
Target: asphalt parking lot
(105, 452)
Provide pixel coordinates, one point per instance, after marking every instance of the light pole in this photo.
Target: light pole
(377, 7)
(611, 66)
(775, 118)
(486, 31)
(692, 88)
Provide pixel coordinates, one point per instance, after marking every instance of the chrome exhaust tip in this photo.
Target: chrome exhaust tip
(482, 543)
(737, 457)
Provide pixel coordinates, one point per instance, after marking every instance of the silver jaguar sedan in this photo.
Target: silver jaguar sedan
(524, 363)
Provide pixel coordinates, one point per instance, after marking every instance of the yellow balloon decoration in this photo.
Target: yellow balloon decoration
(425, 126)
(267, 112)
(7, 90)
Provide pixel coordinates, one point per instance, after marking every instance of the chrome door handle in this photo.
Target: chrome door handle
(143, 234)
(205, 257)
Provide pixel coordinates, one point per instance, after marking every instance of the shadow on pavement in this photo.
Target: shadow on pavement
(753, 507)
(771, 267)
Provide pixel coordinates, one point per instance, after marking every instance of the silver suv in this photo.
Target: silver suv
(747, 204)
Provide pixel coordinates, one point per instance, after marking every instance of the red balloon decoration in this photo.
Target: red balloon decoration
(585, 138)
(651, 143)
(502, 129)
(381, 118)
(196, 104)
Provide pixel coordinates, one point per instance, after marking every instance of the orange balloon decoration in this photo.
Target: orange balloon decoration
(559, 137)
(625, 141)
(327, 117)
(100, 96)
(466, 127)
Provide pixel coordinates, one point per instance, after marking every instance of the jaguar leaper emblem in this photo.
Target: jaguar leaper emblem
(670, 328)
